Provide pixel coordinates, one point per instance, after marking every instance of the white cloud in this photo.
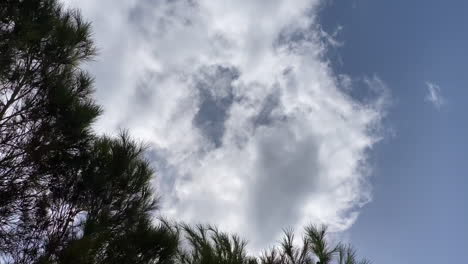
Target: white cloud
(434, 95)
(249, 126)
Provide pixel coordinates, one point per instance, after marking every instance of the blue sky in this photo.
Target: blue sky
(418, 213)
(262, 115)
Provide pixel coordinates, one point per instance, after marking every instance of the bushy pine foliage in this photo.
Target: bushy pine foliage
(207, 245)
(65, 193)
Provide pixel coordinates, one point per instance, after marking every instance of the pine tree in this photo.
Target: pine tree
(64, 192)
(207, 245)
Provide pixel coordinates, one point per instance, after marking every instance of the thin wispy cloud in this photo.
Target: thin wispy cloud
(434, 95)
(249, 127)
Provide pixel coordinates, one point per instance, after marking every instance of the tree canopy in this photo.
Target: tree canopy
(65, 193)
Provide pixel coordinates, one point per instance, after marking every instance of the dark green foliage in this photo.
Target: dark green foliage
(347, 255)
(291, 253)
(207, 245)
(115, 189)
(45, 117)
(66, 196)
(319, 244)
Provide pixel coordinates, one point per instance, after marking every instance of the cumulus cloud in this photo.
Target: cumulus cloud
(249, 127)
(434, 95)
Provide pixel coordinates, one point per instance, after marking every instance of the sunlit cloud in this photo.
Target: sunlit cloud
(249, 127)
(434, 95)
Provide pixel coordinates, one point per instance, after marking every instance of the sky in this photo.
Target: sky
(418, 48)
(261, 115)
